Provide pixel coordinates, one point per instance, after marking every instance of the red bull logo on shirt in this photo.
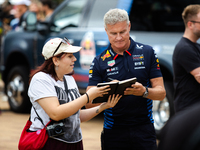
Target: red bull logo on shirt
(107, 55)
(158, 66)
(138, 57)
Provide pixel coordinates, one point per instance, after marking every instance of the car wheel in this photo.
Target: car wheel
(163, 110)
(16, 89)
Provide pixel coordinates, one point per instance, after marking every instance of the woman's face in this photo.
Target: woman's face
(66, 63)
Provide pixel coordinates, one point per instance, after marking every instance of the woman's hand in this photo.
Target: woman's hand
(112, 101)
(95, 92)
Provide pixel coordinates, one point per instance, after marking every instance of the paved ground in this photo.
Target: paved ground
(11, 125)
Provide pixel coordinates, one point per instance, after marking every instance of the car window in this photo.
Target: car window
(70, 15)
(99, 9)
(156, 15)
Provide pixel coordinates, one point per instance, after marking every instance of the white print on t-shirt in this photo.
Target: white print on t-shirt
(43, 85)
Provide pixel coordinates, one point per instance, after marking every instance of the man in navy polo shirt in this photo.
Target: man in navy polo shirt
(129, 125)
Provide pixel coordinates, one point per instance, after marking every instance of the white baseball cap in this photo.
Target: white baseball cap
(57, 46)
(21, 2)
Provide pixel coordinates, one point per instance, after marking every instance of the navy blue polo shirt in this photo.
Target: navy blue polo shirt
(138, 61)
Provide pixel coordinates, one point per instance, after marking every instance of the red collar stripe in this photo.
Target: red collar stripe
(115, 57)
(128, 53)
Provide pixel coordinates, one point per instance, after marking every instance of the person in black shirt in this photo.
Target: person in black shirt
(186, 61)
(182, 131)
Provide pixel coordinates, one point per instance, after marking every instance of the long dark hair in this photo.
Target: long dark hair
(48, 67)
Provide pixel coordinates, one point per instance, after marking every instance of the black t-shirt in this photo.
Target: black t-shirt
(186, 58)
(181, 132)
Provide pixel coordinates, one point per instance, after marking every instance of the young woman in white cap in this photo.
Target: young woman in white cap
(54, 95)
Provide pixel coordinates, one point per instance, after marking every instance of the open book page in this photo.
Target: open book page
(131, 80)
(106, 83)
(113, 86)
(116, 88)
(122, 85)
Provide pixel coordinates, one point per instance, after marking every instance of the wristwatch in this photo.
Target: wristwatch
(146, 93)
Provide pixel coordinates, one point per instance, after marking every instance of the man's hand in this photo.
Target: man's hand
(136, 89)
(156, 92)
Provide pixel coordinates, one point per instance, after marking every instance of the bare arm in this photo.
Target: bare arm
(157, 92)
(196, 74)
(87, 114)
(58, 112)
(90, 105)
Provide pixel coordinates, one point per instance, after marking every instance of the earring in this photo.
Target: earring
(56, 68)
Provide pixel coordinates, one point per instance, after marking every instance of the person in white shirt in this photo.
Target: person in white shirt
(54, 95)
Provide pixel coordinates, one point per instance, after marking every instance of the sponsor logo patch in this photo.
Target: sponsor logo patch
(138, 57)
(107, 55)
(111, 63)
(139, 47)
(139, 63)
(90, 71)
(112, 71)
(143, 67)
(158, 66)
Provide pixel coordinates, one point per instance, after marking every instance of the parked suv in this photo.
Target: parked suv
(155, 23)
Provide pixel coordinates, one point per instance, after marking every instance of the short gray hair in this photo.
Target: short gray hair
(114, 16)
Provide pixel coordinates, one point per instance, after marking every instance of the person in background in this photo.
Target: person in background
(128, 125)
(186, 61)
(182, 131)
(20, 7)
(54, 94)
(47, 8)
(36, 6)
(5, 17)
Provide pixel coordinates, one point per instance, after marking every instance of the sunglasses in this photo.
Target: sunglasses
(65, 41)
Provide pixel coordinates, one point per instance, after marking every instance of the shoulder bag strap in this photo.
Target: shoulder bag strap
(65, 84)
(39, 117)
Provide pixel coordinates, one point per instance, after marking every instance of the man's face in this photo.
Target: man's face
(20, 10)
(118, 35)
(196, 26)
